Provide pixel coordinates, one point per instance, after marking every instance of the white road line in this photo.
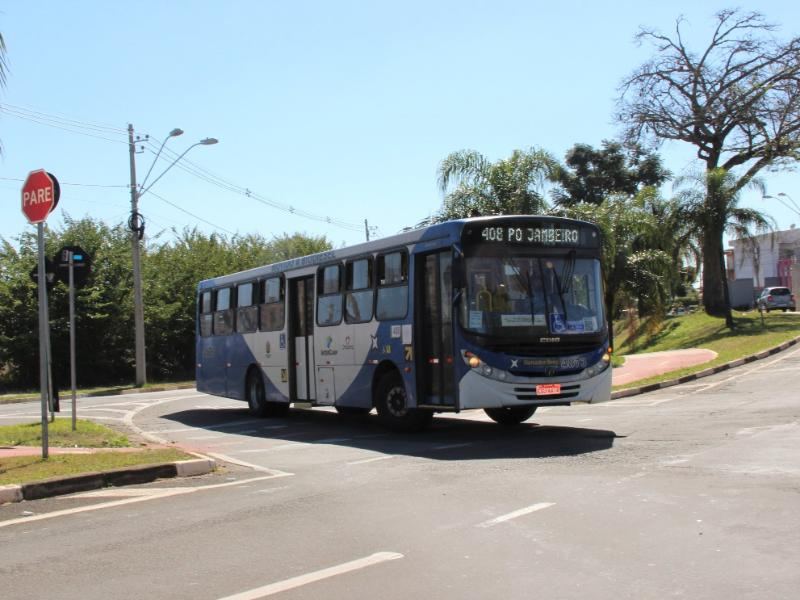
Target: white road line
(300, 580)
(181, 430)
(236, 461)
(157, 494)
(449, 446)
(517, 513)
(748, 371)
(369, 460)
(128, 419)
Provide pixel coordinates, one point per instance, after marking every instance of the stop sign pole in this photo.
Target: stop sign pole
(39, 197)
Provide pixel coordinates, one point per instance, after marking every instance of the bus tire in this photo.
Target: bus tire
(256, 396)
(510, 415)
(392, 404)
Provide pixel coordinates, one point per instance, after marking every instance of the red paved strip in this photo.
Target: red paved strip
(641, 366)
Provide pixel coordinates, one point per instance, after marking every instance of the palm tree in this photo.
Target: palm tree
(674, 235)
(710, 203)
(509, 186)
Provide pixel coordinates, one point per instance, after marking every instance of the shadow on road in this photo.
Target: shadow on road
(486, 440)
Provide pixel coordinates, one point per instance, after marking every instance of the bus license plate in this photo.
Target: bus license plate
(548, 389)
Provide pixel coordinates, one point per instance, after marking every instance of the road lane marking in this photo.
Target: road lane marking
(748, 371)
(128, 418)
(241, 463)
(369, 460)
(450, 446)
(517, 513)
(301, 580)
(156, 495)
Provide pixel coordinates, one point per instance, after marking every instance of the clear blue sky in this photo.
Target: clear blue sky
(340, 109)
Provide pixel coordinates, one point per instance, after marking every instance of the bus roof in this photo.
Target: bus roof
(432, 236)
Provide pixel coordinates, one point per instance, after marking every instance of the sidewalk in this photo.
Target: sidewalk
(642, 366)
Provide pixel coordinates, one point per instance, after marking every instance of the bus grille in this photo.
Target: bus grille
(561, 349)
(528, 393)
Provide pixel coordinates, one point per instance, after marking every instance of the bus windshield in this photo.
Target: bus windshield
(515, 295)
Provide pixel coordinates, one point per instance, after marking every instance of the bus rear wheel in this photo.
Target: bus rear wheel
(510, 415)
(392, 404)
(256, 397)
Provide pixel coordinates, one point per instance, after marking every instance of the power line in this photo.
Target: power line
(95, 130)
(58, 124)
(191, 214)
(63, 119)
(96, 185)
(216, 180)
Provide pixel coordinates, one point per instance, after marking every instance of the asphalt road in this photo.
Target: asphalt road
(692, 492)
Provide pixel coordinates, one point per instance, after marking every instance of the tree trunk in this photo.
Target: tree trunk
(713, 281)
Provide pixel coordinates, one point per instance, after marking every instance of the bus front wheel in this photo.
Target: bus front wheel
(510, 415)
(392, 404)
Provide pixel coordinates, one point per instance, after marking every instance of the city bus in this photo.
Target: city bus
(501, 313)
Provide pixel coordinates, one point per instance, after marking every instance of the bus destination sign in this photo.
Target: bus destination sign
(534, 234)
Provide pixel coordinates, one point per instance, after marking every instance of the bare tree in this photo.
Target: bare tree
(737, 101)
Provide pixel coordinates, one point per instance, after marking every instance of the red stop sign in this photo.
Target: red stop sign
(39, 196)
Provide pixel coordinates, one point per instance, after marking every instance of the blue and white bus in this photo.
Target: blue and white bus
(502, 313)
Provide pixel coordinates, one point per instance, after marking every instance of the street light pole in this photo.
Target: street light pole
(136, 235)
(136, 225)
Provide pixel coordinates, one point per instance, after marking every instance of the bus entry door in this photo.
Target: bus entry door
(301, 335)
(434, 318)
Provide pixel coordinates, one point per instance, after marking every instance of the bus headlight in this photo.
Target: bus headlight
(598, 367)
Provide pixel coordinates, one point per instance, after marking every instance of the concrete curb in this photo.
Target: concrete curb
(705, 373)
(91, 481)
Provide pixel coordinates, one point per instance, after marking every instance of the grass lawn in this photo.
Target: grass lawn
(23, 469)
(26, 469)
(698, 330)
(60, 435)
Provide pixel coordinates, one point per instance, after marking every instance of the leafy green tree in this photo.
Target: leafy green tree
(591, 175)
(474, 185)
(737, 101)
(104, 307)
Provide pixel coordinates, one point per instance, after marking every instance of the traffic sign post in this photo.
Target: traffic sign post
(40, 194)
(72, 266)
(72, 339)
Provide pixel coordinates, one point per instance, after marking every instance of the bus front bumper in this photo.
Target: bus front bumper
(477, 391)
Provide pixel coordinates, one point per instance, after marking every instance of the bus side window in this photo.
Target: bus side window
(359, 295)
(392, 286)
(206, 316)
(223, 311)
(246, 311)
(329, 295)
(271, 297)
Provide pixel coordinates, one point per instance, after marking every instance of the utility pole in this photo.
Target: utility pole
(366, 228)
(137, 232)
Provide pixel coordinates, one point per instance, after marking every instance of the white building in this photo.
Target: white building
(770, 259)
